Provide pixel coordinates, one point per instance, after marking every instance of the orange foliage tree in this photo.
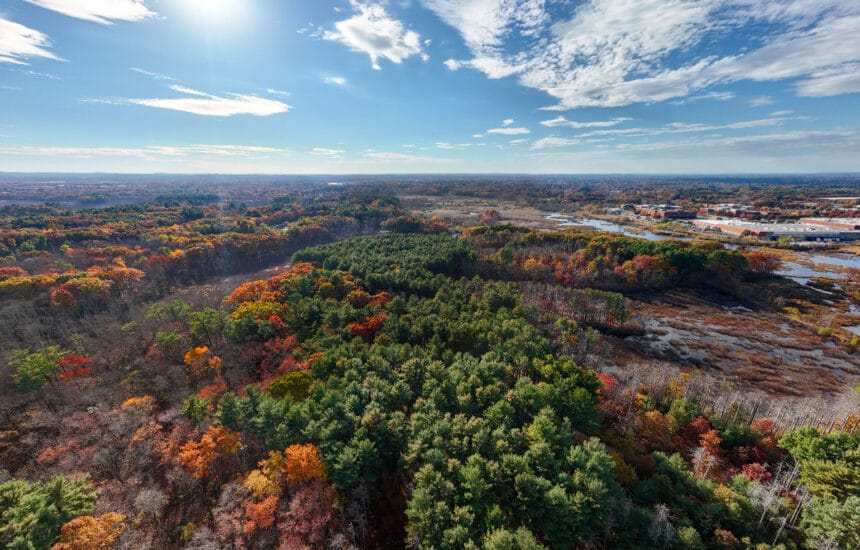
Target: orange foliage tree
(89, 533)
(198, 457)
(201, 361)
(251, 292)
(304, 463)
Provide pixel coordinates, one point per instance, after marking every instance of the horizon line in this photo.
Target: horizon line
(377, 174)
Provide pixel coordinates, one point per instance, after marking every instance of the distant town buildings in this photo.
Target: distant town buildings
(665, 211)
(731, 210)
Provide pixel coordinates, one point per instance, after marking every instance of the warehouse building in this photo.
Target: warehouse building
(844, 224)
(774, 231)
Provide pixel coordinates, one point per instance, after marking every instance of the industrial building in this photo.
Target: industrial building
(845, 224)
(772, 231)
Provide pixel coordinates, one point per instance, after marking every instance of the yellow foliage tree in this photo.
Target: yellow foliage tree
(261, 485)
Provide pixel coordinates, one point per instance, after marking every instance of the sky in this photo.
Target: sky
(430, 86)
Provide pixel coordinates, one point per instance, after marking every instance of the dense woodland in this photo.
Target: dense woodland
(323, 369)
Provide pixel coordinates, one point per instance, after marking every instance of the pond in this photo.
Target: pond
(841, 260)
(603, 225)
(802, 274)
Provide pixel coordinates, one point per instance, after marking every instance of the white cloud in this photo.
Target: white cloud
(509, 131)
(760, 101)
(507, 122)
(478, 136)
(147, 152)
(383, 156)
(547, 142)
(335, 80)
(443, 145)
(612, 53)
(844, 79)
(18, 43)
(327, 152)
(42, 75)
(832, 42)
(687, 128)
(204, 104)
(782, 113)
(717, 96)
(99, 11)
(562, 121)
(281, 93)
(372, 31)
(218, 150)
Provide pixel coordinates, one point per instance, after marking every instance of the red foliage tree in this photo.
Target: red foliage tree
(368, 327)
(756, 471)
(310, 518)
(260, 515)
(73, 366)
(762, 263)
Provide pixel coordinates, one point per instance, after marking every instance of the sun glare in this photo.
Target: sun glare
(215, 11)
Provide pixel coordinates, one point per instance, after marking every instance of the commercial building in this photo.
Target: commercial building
(773, 231)
(845, 224)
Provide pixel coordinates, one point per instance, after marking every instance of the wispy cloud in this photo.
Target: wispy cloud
(327, 152)
(507, 122)
(19, 43)
(455, 146)
(205, 104)
(372, 31)
(760, 101)
(281, 93)
(844, 79)
(508, 131)
(156, 76)
(150, 151)
(716, 96)
(563, 122)
(383, 156)
(690, 127)
(548, 142)
(335, 80)
(38, 74)
(99, 11)
(612, 53)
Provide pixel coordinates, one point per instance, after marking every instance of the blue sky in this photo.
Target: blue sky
(540, 86)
